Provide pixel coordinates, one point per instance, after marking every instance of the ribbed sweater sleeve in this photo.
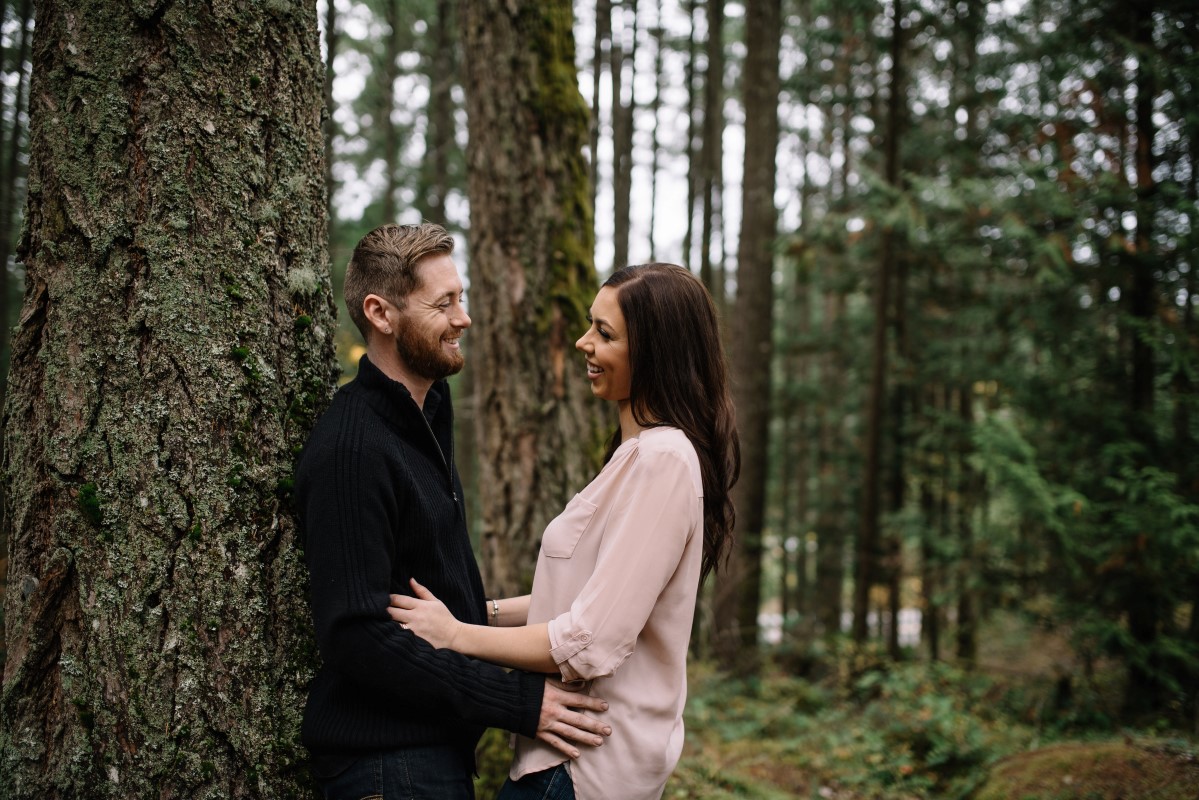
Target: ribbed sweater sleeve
(377, 506)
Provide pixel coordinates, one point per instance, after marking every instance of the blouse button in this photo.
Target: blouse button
(584, 637)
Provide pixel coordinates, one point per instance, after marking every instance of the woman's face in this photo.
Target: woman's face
(605, 345)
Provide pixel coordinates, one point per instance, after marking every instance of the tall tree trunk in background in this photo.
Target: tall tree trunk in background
(930, 562)
(13, 146)
(7, 53)
(328, 126)
(949, 489)
(689, 78)
(897, 480)
(173, 350)
(1144, 687)
(1184, 438)
(711, 156)
(532, 275)
(967, 568)
(830, 525)
(787, 413)
(622, 131)
(603, 33)
(658, 33)
(442, 69)
(739, 588)
(867, 563)
(391, 137)
(797, 442)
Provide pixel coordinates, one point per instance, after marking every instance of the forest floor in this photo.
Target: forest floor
(1029, 722)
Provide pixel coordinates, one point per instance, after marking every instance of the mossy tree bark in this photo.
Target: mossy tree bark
(174, 347)
(532, 275)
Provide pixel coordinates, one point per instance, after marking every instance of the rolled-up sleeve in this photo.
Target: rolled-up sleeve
(654, 514)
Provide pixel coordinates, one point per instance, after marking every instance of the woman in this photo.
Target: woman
(614, 592)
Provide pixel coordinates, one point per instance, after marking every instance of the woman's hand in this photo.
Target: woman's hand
(426, 616)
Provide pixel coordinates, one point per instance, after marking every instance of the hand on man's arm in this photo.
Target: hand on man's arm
(562, 725)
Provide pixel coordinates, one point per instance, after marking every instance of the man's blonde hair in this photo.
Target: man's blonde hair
(385, 261)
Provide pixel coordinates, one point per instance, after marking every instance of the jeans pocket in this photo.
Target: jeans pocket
(357, 781)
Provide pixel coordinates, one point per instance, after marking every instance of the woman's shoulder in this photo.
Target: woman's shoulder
(663, 446)
(665, 439)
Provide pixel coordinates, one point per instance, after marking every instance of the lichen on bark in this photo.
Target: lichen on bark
(174, 348)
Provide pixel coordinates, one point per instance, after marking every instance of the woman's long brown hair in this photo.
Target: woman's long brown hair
(680, 378)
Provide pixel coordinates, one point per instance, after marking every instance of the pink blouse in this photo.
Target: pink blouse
(616, 580)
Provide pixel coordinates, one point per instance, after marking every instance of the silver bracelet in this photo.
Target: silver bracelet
(495, 611)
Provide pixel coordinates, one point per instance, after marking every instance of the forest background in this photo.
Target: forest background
(953, 247)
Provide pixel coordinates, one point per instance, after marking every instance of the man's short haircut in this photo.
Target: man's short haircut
(385, 261)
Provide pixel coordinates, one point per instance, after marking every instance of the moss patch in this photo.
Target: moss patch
(1096, 771)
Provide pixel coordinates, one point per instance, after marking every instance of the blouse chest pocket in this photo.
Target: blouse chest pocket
(563, 533)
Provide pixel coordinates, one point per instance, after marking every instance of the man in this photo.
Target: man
(380, 501)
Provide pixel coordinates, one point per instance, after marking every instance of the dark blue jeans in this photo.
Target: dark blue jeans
(414, 773)
(550, 784)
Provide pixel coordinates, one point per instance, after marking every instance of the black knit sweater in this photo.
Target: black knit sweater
(380, 502)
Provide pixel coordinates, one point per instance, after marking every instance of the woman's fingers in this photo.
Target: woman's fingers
(421, 591)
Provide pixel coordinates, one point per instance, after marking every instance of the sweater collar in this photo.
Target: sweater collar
(399, 401)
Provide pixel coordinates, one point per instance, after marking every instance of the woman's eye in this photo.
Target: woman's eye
(604, 334)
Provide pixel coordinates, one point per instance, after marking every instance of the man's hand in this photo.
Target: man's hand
(562, 723)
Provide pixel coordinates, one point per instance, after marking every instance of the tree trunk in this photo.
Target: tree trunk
(930, 622)
(689, 78)
(328, 126)
(603, 33)
(711, 155)
(899, 452)
(622, 136)
(173, 350)
(442, 68)
(1144, 687)
(830, 516)
(655, 142)
(868, 549)
(391, 136)
(739, 590)
(532, 275)
(967, 568)
(13, 147)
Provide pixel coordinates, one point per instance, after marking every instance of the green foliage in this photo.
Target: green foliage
(886, 731)
(896, 731)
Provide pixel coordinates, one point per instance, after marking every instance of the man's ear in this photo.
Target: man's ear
(380, 314)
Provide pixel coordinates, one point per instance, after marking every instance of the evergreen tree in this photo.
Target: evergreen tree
(173, 350)
(532, 276)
